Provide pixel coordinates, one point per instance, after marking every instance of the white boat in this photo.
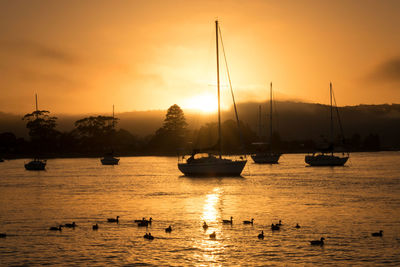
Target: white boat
(266, 156)
(109, 158)
(327, 157)
(36, 165)
(213, 165)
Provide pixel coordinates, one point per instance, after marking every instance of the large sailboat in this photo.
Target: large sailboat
(213, 165)
(267, 156)
(36, 164)
(326, 157)
(109, 158)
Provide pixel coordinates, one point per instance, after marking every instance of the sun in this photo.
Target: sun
(206, 103)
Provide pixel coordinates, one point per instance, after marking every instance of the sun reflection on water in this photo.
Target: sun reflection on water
(210, 250)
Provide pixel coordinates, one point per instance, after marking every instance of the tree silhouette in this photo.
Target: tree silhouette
(40, 124)
(172, 135)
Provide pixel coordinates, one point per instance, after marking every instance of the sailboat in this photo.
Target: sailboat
(36, 164)
(326, 157)
(211, 165)
(109, 158)
(267, 157)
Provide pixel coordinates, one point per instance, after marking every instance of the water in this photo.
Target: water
(343, 204)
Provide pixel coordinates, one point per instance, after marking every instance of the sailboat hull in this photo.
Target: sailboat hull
(325, 160)
(109, 161)
(35, 165)
(217, 168)
(266, 158)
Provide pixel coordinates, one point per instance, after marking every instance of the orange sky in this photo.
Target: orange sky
(84, 56)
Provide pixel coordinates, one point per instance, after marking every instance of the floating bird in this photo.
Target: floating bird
(213, 235)
(138, 221)
(55, 228)
(380, 233)
(143, 224)
(3, 235)
(205, 226)
(168, 229)
(95, 227)
(275, 227)
(318, 242)
(261, 236)
(148, 236)
(228, 221)
(70, 225)
(279, 223)
(249, 222)
(297, 225)
(113, 220)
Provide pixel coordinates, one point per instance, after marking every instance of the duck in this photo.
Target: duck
(138, 221)
(213, 235)
(168, 229)
(261, 236)
(3, 235)
(249, 222)
(148, 236)
(228, 221)
(70, 225)
(113, 220)
(380, 233)
(318, 242)
(205, 226)
(55, 228)
(275, 227)
(143, 223)
(297, 225)
(95, 227)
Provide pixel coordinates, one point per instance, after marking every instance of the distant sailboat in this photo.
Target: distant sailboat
(267, 157)
(212, 165)
(36, 164)
(327, 157)
(109, 158)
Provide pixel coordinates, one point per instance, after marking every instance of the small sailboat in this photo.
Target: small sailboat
(211, 165)
(267, 156)
(109, 158)
(327, 157)
(36, 164)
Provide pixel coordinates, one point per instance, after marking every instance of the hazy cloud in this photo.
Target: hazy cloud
(388, 71)
(31, 48)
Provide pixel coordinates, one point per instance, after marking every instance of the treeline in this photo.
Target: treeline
(97, 135)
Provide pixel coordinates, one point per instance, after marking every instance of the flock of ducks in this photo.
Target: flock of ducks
(145, 223)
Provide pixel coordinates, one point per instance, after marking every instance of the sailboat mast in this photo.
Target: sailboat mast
(113, 119)
(36, 106)
(219, 101)
(330, 92)
(270, 115)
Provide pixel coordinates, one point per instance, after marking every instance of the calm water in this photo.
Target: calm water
(343, 204)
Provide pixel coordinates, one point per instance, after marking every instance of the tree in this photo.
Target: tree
(95, 133)
(41, 125)
(172, 135)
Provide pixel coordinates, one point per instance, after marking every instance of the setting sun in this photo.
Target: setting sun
(206, 103)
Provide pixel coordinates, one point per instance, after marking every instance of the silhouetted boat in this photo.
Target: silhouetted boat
(109, 158)
(267, 156)
(212, 165)
(326, 157)
(36, 164)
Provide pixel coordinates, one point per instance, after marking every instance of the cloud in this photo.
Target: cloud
(31, 48)
(388, 71)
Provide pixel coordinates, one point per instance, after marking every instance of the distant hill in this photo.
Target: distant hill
(293, 120)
